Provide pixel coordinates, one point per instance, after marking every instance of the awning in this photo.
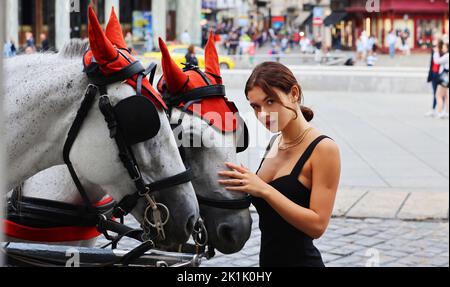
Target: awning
(301, 18)
(334, 18)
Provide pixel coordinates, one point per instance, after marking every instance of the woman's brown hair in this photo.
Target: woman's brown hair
(270, 75)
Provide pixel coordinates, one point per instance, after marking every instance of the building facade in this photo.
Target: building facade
(421, 20)
(65, 19)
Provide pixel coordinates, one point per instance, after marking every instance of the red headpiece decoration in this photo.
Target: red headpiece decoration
(105, 52)
(178, 82)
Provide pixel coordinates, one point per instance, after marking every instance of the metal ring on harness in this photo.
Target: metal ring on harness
(198, 233)
(155, 224)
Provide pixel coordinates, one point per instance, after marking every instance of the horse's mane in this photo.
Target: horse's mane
(75, 48)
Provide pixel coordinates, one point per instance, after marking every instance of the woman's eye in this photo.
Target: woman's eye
(270, 102)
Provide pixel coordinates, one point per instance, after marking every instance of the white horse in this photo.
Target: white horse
(228, 228)
(43, 94)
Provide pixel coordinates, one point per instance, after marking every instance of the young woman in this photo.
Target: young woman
(442, 90)
(433, 74)
(295, 187)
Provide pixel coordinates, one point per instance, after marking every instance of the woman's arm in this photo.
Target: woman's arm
(326, 173)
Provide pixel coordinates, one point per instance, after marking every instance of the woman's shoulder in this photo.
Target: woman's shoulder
(327, 149)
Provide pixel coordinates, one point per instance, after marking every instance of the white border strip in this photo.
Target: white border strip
(2, 151)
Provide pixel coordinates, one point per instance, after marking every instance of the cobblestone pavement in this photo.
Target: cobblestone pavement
(358, 243)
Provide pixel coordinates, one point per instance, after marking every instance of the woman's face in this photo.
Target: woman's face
(269, 111)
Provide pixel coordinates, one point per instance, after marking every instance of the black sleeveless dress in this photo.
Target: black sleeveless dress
(282, 245)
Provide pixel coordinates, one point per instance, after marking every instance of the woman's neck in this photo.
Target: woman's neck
(294, 129)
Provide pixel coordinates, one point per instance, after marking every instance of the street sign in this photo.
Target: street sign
(277, 22)
(317, 16)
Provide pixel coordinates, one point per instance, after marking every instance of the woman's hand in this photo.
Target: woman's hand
(241, 179)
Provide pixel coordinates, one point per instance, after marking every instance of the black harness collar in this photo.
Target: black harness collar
(42, 213)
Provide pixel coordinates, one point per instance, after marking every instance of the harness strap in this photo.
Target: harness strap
(129, 201)
(104, 225)
(237, 204)
(203, 75)
(137, 252)
(124, 74)
(197, 94)
(42, 213)
(82, 113)
(151, 70)
(172, 181)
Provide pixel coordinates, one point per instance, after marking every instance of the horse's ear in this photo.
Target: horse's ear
(103, 50)
(211, 56)
(174, 77)
(114, 31)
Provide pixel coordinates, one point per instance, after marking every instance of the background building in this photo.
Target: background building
(421, 19)
(65, 19)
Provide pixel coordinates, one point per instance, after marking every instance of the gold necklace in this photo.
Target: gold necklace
(296, 141)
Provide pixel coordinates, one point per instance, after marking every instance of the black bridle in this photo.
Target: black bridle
(98, 84)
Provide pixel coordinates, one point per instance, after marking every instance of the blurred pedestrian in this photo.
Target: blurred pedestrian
(233, 43)
(129, 41)
(433, 74)
(191, 58)
(318, 49)
(13, 48)
(405, 46)
(295, 39)
(364, 39)
(305, 44)
(371, 42)
(45, 45)
(9, 49)
(284, 44)
(217, 40)
(392, 41)
(372, 57)
(251, 53)
(30, 46)
(442, 90)
(149, 45)
(360, 49)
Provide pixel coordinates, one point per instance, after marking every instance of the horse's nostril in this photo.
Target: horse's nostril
(190, 224)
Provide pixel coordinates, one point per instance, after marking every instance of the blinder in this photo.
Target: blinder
(138, 119)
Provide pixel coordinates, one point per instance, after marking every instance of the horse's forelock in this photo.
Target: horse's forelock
(75, 48)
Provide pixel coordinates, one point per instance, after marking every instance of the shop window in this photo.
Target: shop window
(405, 30)
(427, 30)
